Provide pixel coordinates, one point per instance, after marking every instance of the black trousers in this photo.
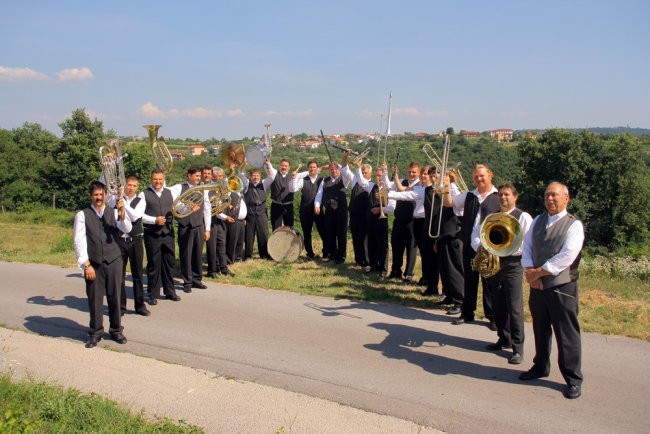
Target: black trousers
(359, 232)
(235, 234)
(471, 288)
(556, 310)
(108, 282)
(281, 215)
(428, 257)
(402, 241)
(161, 258)
(508, 303)
(307, 221)
(132, 253)
(336, 230)
(216, 246)
(257, 225)
(377, 243)
(450, 257)
(190, 250)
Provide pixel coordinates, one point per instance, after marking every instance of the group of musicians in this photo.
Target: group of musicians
(431, 215)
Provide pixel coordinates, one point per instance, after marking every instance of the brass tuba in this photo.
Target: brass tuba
(233, 154)
(188, 201)
(161, 155)
(501, 236)
(111, 161)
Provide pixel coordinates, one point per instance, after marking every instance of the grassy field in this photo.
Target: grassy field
(614, 295)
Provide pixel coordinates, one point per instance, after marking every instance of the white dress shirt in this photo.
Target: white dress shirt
(79, 231)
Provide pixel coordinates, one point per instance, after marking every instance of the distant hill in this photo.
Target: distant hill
(602, 130)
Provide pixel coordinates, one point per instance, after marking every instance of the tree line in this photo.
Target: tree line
(608, 175)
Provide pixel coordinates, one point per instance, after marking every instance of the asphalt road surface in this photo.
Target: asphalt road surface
(409, 363)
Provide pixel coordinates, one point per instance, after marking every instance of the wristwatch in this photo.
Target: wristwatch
(85, 267)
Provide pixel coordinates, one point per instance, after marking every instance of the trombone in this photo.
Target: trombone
(441, 165)
(436, 161)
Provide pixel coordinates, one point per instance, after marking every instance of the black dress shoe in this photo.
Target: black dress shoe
(492, 326)
(152, 301)
(531, 374)
(408, 280)
(572, 391)
(461, 321)
(173, 297)
(339, 261)
(143, 311)
(455, 310)
(212, 275)
(445, 302)
(395, 275)
(92, 341)
(119, 338)
(515, 359)
(187, 289)
(422, 282)
(227, 272)
(498, 346)
(199, 285)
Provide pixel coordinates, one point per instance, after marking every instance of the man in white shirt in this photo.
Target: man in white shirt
(281, 194)
(96, 233)
(308, 184)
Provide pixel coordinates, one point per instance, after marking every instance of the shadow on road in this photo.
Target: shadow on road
(70, 301)
(56, 327)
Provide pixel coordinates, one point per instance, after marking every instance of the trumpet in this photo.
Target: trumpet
(358, 156)
(161, 155)
(111, 161)
(436, 161)
(501, 235)
(192, 198)
(382, 196)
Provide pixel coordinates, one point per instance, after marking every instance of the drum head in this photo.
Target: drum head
(256, 154)
(285, 244)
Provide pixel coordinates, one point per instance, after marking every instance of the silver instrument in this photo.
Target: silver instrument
(439, 190)
(111, 161)
(161, 155)
(257, 153)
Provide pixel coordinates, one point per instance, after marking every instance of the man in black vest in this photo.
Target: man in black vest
(281, 194)
(551, 254)
(193, 230)
(508, 298)
(235, 229)
(216, 244)
(131, 245)
(359, 207)
(332, 195)
(308, 183)
(96, 232)
(257, 221)
(402, 239)
(377, 222)
(159, 238)
(474, 206)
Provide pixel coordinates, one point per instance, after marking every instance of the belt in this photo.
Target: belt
(131, 239)
(282, 203)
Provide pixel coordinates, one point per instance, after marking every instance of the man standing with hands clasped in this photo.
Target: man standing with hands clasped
(96, 232)
(551, 254)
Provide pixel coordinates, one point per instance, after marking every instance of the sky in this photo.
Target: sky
(224, 69)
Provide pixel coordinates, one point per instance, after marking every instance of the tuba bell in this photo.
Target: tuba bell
(233, 154)
(161, 155)
(501, 235)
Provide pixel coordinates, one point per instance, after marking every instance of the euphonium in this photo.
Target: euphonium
(192, 198)
(111, 161)
(161, 155)
(501, 236)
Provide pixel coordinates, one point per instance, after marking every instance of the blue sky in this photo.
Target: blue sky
(223, 69)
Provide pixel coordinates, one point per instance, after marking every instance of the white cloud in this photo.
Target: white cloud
(20, 74)
(417, 113)
(289, 113)
(76, 74)
(149, 110)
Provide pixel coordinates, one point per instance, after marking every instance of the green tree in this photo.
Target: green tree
(77, 160)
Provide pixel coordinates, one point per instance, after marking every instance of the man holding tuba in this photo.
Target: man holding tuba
(508, 299)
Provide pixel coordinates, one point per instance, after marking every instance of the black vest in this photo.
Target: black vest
(359, 200)
(489, 206)
(309, 190)
(255, 198)
(159, 206)
(196, 218)
(235, 205)
(334, 194)
(404, 208)
(101, 236)
(280, 188)
(137, 225)
(547, 242)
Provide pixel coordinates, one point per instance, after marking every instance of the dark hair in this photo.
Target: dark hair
(207, 167)
(96, 185)
(192, 170)
(508, 186)
(157, 170)
(312, 162)
(284, 159)
(133, 176)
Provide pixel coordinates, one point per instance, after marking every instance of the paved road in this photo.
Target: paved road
(399, 361)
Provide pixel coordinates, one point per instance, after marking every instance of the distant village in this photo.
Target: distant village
(303, 141)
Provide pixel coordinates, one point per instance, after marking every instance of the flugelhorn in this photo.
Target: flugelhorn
(161, 155)
(500, 235)
(111, 161)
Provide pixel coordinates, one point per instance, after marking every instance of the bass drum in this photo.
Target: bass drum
(257, 154)
(285, 244)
